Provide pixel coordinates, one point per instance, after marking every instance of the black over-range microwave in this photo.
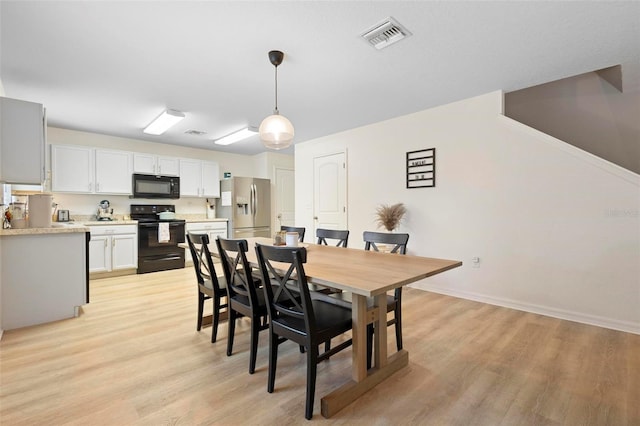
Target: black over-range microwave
(152, 186)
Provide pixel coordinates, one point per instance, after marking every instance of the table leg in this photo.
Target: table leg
(359, 336)
(380, 335)
(363, 380)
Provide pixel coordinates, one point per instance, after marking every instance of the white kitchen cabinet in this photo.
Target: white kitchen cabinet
(99, 254)
(155, 165)
(213, 229)
(72, 169)
(210, 179)
(113, 248)
(22, 142)
(124, 251)
(199, 178)
(113, 171)
(44, 277)
(86, 170)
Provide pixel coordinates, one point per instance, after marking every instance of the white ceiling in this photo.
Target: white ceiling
(111, 67)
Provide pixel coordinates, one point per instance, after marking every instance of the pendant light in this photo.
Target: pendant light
(276, 131)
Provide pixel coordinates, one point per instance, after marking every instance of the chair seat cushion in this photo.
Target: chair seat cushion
(239, 298)
(222, 282)
(331, 320)
(207, 287)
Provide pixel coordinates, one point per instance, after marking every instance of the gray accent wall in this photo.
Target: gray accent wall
(586, 111)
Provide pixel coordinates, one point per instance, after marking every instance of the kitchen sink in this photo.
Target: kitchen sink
(65, 224)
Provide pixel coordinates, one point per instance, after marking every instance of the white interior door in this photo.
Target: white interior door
(330, 192)
(285, 198)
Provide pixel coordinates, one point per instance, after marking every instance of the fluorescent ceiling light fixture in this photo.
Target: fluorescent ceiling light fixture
(163, 122)
(234, 137)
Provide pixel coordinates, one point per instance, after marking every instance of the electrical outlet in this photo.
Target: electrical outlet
(475, 262)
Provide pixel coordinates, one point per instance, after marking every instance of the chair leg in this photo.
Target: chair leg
(216, 319)
(253, 349)
(232, 329)
(369, 345)
(398, 314)
(200, 310)
(327, 346)
(273, 361)
(312, 365)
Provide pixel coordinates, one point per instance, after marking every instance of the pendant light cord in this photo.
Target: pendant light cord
(276, 110)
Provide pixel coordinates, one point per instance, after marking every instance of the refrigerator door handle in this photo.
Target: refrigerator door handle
(254, 190)
(251, 200)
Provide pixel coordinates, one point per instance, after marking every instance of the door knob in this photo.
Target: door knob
(315, 218)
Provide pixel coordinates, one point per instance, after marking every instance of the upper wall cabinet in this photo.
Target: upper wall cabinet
(22, 142)
(113, 172)
(199, 178)
(72, 169)
(87, 170)
(155, 165)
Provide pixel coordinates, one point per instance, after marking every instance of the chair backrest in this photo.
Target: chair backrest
(332, 234)
(237, 270)
(299, 229)
(287, 293)
(398, 240)
(202, 260)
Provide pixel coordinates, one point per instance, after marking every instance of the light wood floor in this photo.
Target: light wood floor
(134, 357)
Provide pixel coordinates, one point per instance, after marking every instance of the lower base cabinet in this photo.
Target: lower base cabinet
(113, 248)
(213, 229)
(48, 285)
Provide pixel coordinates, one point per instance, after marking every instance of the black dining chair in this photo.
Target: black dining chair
(299, 230)
(294, 315)
(210, 286)
(342, 237)
(245, 296)
(398, 243)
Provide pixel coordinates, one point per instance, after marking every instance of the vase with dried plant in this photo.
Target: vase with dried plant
(390, 216)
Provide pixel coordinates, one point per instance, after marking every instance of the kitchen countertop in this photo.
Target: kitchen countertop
(107, 222)
(56, 228)
(83, 225)
(219, 219)
(187, 218)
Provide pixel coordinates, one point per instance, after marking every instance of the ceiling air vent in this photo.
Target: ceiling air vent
(195, 132)
(385, 33)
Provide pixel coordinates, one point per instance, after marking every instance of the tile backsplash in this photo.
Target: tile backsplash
(84, 206)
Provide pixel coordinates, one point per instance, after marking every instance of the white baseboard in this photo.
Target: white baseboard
(626, 326)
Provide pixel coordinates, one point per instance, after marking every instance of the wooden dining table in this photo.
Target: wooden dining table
(366, 274)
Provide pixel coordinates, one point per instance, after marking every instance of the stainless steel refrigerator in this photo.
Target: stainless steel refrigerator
(246, 203)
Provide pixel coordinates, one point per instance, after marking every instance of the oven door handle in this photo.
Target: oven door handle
(155, 224)
(147, 225)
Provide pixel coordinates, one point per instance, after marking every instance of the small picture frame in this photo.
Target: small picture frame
(63, 215)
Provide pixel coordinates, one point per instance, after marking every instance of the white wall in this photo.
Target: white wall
(557, 230)
(268, 163)
(239, 165)
(1, 329)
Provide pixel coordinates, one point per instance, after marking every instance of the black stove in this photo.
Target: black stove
(151, 212)
(158, 238)
(156, 220)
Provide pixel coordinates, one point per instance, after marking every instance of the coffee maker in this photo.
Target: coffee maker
(104, 211)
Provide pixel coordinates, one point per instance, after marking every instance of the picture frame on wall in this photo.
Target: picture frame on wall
(421, 168)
